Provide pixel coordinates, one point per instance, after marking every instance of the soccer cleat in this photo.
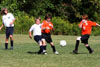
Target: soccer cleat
(91, 51)
(75, 52)
(44, 52)
(39, 52)
(56, 52)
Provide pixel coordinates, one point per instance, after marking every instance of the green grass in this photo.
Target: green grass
(19, 57)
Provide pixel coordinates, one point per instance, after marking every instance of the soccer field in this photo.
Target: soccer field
(24, 48)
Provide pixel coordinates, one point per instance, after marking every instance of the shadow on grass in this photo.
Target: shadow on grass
(30, 52)
(77, 53)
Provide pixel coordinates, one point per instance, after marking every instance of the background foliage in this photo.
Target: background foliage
(66, 14)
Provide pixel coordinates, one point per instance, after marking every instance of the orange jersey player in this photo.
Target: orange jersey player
(47, 26)
(86, 26)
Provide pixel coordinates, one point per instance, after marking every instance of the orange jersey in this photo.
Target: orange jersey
(87, 27)
(46, 26)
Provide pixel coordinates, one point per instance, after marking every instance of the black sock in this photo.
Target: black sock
(44, 47)
(77, 44)
(6, 45)
(41, 50)
(54, 49)
(11, 43)
(89, 49)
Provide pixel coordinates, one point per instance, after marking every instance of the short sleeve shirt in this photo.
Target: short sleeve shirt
(47, 24)
(7, 19)
(87, 27)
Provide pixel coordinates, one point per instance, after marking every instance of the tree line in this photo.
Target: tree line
(66, 14)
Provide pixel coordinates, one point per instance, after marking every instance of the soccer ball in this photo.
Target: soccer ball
(63, 43)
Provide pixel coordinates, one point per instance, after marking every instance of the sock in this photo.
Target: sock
(54, 49)
(89, 49)
(77, 44)
(6, 45)
(11, 43)
(44, 47)
(41, 50)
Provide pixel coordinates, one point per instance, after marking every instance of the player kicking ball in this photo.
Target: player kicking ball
(36, 28)
(8, 21)
(86, 26)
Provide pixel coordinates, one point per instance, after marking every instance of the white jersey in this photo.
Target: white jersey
(36, 28)
(7, 19)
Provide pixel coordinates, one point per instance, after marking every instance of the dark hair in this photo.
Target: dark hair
(48, 16)
(37, 18)
(2, 11)
(85, 16)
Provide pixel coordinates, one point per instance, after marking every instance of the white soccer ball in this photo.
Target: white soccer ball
(63, 43)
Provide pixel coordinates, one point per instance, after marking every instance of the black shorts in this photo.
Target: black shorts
(37, 38)
(47, 37)
(9, 31)
(84, 38)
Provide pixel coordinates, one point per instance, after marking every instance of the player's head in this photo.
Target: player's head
(48, 17)
(4, 11)
(37, 20)
(85, 16)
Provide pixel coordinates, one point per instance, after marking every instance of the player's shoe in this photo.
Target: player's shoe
(39, 52)
(91, 51)
(75, 52)
(44, 52)
(56, 52)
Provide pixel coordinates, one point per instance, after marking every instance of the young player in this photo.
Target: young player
(47, 26)
(8, 21)
(36, 28)
(86, 26)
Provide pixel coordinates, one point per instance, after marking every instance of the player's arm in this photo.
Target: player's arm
(95, 24)
(80, 25)
(13, 21)
(30, 34)
(1, 26)
(52, 27)
(98, 25)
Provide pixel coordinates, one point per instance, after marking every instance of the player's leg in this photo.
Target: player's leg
(89, 48)
(7, 37)
(84, 40)
(6, 43)
(44, 44)
(77, 45)
(41, 47)
(11, 41)
(44, 37)
(49, 40)
(11, 37)
(53, 48)
(38, 40)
